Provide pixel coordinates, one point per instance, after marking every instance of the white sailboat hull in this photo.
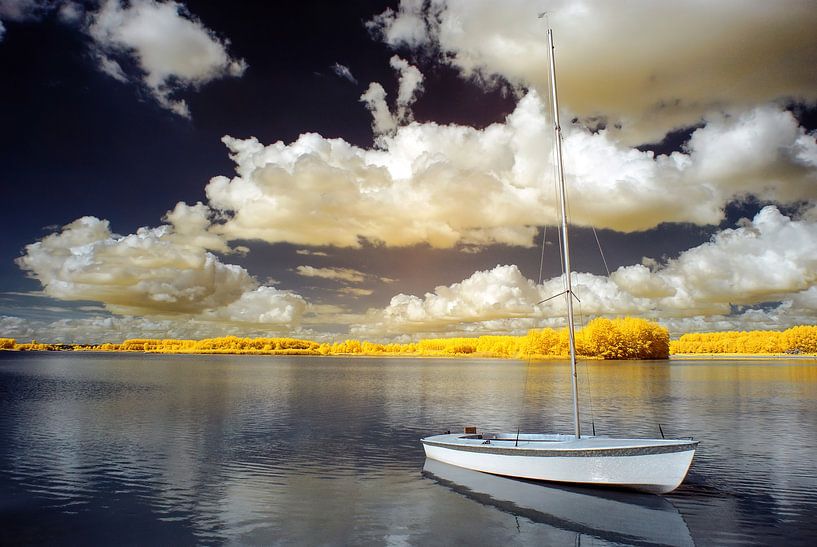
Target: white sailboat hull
(650, 465)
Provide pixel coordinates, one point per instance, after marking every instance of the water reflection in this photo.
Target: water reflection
(256, 450)
(610, 517)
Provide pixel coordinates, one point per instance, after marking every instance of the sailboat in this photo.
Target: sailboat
(657, 466)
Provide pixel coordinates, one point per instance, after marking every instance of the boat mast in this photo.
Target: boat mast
(569, 288)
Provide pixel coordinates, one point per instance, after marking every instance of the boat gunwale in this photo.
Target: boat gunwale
(548, 452)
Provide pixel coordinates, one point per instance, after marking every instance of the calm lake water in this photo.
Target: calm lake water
(149, 449)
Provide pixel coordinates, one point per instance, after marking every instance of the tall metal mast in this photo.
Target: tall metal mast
(569, 287)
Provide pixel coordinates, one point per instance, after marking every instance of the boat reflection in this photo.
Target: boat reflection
(607, 515)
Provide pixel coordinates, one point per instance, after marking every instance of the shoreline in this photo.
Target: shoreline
(672, 357)
(743, 356)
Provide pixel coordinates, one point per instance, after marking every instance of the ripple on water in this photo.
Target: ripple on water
(254, 451)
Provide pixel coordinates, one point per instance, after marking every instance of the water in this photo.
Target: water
(150, 449)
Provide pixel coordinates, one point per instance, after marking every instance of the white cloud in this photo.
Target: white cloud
(106, 328)
(761, 152)
(191, 224)
(406, 26)
(409, 87)
(650, 66)
(500, 293)
(154, 270)
(174, 50)
(341, 274)
(384, 121)
(163, 271)
(767, 259)
(264, 305)
(759, 275)
(17, 328)
(770, 260)
(344, 72)
(355, 291)
(446, 184)
(71, 12)
(454, 185)
(307, 252)
(111, 68)
(346, 275)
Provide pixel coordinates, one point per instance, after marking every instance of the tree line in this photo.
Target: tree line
(601, 338)
(793, 341)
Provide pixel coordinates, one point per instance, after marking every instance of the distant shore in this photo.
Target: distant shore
(624, 338)
(742, 356)
(441, 355)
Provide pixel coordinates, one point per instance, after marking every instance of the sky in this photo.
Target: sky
(384, 170)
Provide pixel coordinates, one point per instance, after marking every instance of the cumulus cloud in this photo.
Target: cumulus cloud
(153, 270)
(407, 26)
(191, 224)
(383, 121)
(767, 259)
(263, 305)
(344, 72)
(760, 274)
(500, 293)
(613, 59)
(171, 47)
(410, 85)
(770, 261)
(446, 185)
(409, 88)
(162, 271)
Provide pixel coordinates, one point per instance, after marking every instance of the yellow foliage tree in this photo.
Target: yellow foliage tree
(802, 339)
(796, 340)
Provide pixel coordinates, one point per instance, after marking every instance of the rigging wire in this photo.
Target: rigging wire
(542, 257)
(601, 252)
